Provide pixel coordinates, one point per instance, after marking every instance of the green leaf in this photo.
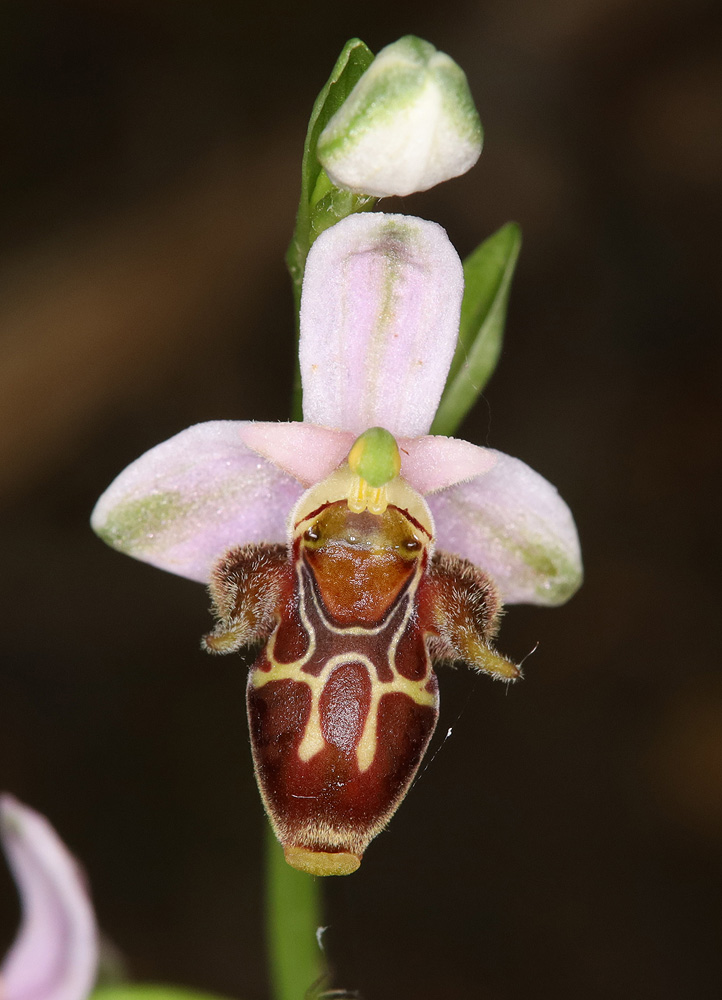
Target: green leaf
(149, 991)
(335, 205)
(293, 915)
(488, 272)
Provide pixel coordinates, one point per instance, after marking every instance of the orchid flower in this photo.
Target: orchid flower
(55, 954)
(354, 544)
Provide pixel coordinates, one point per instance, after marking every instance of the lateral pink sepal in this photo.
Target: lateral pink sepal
(512, 524)
(187, 501)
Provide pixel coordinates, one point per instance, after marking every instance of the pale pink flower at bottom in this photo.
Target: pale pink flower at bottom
(55, 954)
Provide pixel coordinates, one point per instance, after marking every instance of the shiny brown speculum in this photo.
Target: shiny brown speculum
(343, 700)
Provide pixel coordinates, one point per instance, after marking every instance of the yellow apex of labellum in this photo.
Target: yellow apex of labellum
(321, 862)
(375, 461)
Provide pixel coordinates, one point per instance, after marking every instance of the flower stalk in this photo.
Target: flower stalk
(293, 918)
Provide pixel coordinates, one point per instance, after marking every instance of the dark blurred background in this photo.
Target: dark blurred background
(565, 841)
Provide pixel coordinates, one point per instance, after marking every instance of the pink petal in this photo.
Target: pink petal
(305, 451)
(310, 453)
(513, 524)
(55, 954)
(433, 462)
(187, 501)
(379, 323)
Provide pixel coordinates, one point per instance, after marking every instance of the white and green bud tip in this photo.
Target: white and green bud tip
(408, 124)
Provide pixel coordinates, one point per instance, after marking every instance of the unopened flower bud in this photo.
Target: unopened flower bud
(409, 123)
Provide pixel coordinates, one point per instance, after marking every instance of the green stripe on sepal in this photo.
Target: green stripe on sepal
(488, 272)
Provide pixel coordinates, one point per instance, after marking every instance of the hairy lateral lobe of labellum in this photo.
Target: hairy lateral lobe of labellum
(340, 723)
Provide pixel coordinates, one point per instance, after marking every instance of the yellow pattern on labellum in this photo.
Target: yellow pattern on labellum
(313, 741)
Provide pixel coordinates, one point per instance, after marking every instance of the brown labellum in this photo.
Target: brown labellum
(342, 699)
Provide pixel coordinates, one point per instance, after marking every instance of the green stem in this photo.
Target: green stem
(293, 915)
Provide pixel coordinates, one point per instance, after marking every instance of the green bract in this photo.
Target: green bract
(488, 272)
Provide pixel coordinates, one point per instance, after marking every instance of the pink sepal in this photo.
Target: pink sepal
(512, 523)
(379, 323)
(187, 501)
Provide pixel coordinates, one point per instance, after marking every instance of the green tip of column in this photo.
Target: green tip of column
(375, 457)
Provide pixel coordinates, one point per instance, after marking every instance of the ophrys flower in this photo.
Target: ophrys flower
(354, 545)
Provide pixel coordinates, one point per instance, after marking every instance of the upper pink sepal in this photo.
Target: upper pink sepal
(55, 954)
(512, 524)
(187, 501)
(379, 323)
